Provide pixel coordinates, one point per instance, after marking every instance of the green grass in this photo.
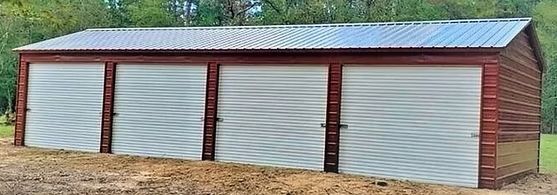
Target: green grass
(548, 161)
(6, 131)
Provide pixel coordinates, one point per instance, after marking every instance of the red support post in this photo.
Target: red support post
(332, 124)
(21, 102)
(489, 126)
(108, 107)
(210, 118)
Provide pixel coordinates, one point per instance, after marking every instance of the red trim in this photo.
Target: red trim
(274, 51)
(540, 127)
(489, 125)
(481, 125)
(444, 59)
(332, 127)
(21, 102)
(108, 107)
(210, 118)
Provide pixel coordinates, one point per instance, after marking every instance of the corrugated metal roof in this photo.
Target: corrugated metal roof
(477, 33)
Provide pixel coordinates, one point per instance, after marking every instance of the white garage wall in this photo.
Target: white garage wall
(271, 115)
(415, 123)
(159, 110)
(65, 104)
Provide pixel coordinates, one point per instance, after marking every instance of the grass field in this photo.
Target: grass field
(6, 131)
(548, 162)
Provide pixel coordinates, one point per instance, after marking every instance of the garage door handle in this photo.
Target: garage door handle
(474, 135)
(27, 109)
(218, 119)
(343, 126)
(114, 114)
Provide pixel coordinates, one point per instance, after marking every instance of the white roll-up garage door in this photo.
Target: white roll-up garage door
(64, 106)
(158, 110)
(415, 123)
(271, 115)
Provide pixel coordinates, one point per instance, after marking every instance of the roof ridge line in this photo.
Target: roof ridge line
(316, 25)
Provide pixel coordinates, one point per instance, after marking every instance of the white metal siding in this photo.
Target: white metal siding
(159, 110)
(412, 123)
(271, 115)
(65, 103)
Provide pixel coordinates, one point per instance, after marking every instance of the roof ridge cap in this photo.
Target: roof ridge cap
(460, 21)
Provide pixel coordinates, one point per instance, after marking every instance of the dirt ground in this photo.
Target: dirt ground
(40, 171)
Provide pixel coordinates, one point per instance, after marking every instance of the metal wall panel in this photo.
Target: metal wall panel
(519, 104)
(415, 123)
(159, 110)
(272, 115)
(65, 103)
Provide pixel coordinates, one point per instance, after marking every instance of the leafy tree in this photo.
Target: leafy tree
(227, 12)
(209, 13)
(7, 63)
(149, 13)
(26, 21)
(515, 8)
(546, 24)
(466, 8)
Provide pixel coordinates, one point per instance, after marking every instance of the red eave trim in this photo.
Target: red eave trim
(442, 59)
(243, 51)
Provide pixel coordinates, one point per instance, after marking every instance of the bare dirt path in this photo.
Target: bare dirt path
(40, 171)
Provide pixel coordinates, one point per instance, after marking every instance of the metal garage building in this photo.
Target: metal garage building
(449, 102)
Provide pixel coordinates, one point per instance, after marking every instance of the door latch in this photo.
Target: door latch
(342, 126)
(203, 119)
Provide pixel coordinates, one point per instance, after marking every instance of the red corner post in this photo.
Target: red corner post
(21, 102)
(108, 107)
(332, 124)
(489, 126)
(210, 118)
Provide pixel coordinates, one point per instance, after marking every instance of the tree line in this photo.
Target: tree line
(28, 21)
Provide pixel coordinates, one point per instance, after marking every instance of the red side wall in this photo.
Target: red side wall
(519, 111)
